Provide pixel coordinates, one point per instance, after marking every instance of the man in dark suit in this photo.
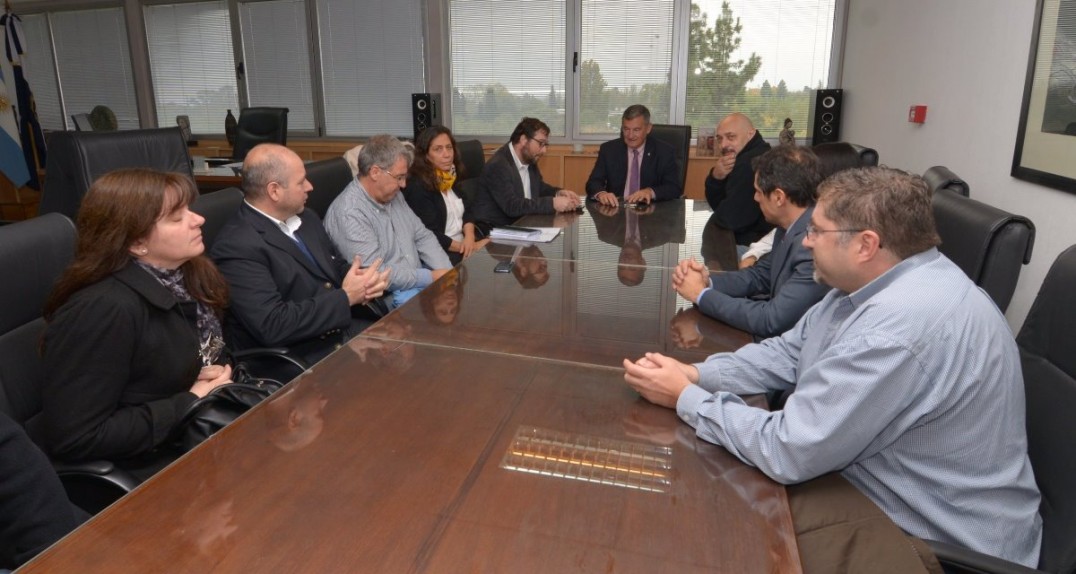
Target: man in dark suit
(785, 189)
(288, 285)
(511, 184)
(635, 167)
(730, 183)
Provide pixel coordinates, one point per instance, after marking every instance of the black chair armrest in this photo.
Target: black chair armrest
(956, 559)
(95, 484)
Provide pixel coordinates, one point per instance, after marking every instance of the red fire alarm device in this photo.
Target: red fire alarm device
(917, 114)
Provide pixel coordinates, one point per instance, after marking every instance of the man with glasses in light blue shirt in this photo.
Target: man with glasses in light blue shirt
(905, 379)
(371, 220)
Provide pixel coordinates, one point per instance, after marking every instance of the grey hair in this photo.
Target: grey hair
(383, 150)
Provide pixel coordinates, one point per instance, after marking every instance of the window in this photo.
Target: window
(276, 59)
(90, 66)
(508, 61)
(190, 54)
(371, 63)
(762, 58)
(619, 68)
(689, 62)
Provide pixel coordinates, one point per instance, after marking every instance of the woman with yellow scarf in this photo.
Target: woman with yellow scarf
(430, 195)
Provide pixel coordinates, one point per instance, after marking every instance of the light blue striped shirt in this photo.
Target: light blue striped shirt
(911, 387)
(359, 225)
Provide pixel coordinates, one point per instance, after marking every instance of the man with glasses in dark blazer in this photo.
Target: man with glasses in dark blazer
(512, 184)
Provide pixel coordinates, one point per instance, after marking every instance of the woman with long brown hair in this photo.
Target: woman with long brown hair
(429, 192)
(134, 327)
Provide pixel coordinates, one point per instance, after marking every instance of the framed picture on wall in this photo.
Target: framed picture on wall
(1046, 142)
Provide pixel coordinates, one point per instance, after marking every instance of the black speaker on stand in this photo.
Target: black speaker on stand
(824, 116)
(425, 111)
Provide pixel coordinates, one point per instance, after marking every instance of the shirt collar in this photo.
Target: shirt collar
(288, 226)
(886, 279)
(519, 164)
(365, 195)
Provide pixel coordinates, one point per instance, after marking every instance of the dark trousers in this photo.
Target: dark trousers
(839, 529)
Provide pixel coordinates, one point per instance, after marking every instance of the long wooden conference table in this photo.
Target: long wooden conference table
(484, 426)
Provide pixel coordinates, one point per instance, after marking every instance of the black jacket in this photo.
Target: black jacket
(34, 510)
(429, 206)
(120, 357)
(733, 198)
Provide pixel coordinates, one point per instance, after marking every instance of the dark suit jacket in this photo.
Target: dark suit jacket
(278, 297)
(500, 198)
(733, 198)
(657, 170)
(785, 277)
(34, 510)
(429, 206)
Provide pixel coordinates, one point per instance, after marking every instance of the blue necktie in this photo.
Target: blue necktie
(302, 247)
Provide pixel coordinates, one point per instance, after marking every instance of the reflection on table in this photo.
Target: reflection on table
(400, 457)
(578, 298)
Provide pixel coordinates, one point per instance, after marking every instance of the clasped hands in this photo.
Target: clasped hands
(645, 195)
(566, 200)
(660, 379)
(210, 378)
(363, 285)
(689, 279)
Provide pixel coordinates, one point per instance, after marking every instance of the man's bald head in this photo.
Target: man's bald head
(264, 163)
(733, 133)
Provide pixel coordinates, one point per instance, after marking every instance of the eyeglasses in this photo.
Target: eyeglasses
(813, 230)
(402, 178)
(542, 144)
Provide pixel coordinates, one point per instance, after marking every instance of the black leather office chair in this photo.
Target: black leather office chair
(33, 254)
(76, 159)
(941, 177)
(217, 208)
(259, 125)
(1046, 342)
(472, 157)
(329, 177)
(989, 244)
(837, 156)
(468, 190)
(679, 137)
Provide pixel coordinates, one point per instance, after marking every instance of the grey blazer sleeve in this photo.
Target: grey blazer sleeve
(729, 301)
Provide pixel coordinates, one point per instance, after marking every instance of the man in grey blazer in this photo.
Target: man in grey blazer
(511, 184)
(768, 298)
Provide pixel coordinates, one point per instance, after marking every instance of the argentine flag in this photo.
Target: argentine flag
(12, 161)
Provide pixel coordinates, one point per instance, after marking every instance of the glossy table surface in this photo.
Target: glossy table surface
(419, 447)
(583, 297)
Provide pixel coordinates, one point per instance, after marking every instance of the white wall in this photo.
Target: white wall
(966, 60)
